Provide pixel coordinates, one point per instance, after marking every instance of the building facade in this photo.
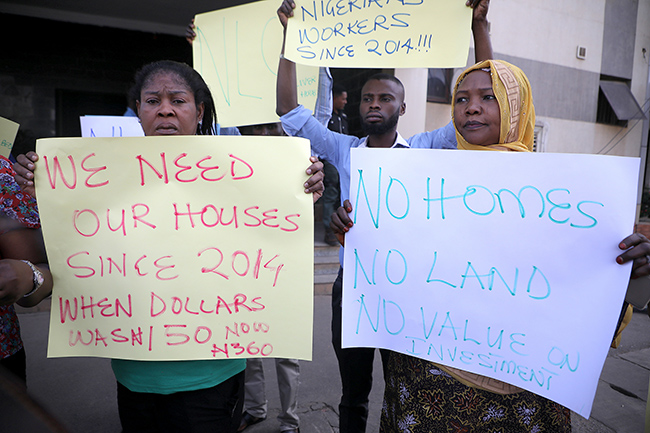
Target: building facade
(588, 63)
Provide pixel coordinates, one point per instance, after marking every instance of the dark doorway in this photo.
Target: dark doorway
(71, 104)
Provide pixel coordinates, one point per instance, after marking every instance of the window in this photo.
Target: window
(439, 85)
(616, 104)
(539, 137)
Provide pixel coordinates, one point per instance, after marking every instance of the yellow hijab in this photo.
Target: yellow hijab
(512, 90)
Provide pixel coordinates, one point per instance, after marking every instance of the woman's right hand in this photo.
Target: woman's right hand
(24, 168)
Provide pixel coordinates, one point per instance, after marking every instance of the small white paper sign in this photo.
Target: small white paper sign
(498, 263)
(110, 126)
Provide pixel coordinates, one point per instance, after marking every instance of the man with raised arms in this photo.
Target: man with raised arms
(382, 103)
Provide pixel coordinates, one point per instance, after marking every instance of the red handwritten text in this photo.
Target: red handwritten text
(240, 264)
(105, 266)
(87, 222)
(178, 305)
(56, 171)
(185, 172)
(212, 216)
(96, 337)
(89, 306)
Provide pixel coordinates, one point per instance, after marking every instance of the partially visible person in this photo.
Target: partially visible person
(382, 104)
(255, 402)
(264, 129)
(332, 195)
(130, 103)
(339, 120)
(483, 121)
(173, 396)
(287, 370)
(25, 277)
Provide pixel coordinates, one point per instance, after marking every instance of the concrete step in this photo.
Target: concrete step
(326, 267)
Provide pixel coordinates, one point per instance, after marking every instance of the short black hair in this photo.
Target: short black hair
(194, 81)
(388, 77)
(381, 76)
(337, 89)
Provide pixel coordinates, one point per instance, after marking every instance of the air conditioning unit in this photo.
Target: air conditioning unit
(581, 52)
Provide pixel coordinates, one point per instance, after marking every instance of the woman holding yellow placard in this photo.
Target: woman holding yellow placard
(197, 395)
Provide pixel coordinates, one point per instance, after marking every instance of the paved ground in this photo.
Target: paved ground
(81, 391)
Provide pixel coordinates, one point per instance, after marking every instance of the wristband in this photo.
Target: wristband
(37, 278)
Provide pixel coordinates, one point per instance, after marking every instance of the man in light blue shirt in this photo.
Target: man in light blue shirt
(382, 103)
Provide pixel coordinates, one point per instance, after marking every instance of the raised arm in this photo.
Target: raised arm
(324, 99)
(286, 88)
(480, 30)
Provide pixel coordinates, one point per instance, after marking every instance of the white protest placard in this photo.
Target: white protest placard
(236, 51)
(498, 263)
(379, 33)
(173, 248)
(110, 126)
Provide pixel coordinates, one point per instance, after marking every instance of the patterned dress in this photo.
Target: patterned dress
(420, 397)
(16, 205)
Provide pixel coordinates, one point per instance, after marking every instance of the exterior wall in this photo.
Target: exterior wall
(415, 89)
(549, 31)
(641, 69)
(560, 91)
(541, 38)
(618, 38)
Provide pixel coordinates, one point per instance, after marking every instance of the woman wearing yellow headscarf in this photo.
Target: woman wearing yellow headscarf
(492, 109)
(508, 87)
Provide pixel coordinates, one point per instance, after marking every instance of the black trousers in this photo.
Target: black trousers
(16, 364)
(355, 368)
(210, 410)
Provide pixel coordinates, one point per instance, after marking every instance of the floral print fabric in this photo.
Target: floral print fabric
(420, 397)
(16, 205)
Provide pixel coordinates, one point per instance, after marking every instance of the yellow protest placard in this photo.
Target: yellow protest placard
(171, 248)
(379, 33)
(8, 131)
(236, 51)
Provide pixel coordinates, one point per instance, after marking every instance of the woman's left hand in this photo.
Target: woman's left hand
(480, 9)
(314, 184)
(637, 249)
